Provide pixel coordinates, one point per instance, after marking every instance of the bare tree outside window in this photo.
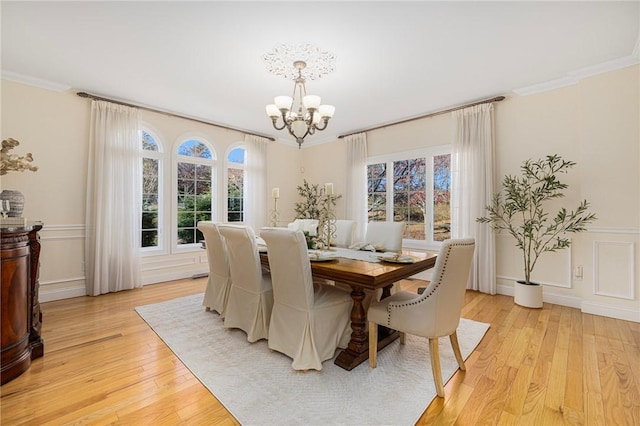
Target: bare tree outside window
(409, 195)
(150, 193)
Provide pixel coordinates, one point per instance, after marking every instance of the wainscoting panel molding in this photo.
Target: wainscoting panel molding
(614, 269)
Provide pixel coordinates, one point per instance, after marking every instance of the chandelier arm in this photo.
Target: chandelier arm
(275, 126)
(326, 122)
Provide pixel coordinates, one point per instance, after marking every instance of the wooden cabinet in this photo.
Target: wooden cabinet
(20, 314)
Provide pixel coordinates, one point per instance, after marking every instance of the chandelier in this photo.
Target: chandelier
(300, 114)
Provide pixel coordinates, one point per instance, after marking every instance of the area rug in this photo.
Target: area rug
(259, 387)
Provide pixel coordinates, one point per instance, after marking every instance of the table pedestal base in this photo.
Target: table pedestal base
(358, 349)
(349, 359)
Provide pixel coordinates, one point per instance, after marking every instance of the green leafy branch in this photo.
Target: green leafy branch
(520, 211)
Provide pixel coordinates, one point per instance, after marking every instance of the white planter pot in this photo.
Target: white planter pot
(527, 295)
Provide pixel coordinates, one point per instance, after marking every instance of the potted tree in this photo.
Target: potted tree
(520, 211)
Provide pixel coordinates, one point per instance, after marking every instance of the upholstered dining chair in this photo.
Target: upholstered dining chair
(385, 234)
(308, 322)
(305, 225)
(343, 236)
(432, 314)
(251, 296)
(218, 286)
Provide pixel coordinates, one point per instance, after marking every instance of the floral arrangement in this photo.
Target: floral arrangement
(9, 162)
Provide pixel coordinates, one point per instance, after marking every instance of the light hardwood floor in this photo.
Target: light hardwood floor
(550, 366)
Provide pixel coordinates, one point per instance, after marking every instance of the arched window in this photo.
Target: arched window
(235, 184)
(195, 177)
(151, 190)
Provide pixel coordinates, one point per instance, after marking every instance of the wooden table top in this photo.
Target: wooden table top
(368, 275)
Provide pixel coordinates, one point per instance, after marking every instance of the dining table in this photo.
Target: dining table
(364, 271)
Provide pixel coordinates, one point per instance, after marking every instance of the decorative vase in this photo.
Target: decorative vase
(16, 202)
(527, 295)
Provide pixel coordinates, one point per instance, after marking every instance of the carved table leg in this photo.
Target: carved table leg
(358, 349)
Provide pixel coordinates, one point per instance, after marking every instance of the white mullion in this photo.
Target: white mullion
(390, 191)
(429, 197)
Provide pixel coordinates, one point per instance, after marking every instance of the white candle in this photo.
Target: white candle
(275, 193)
(328, 188)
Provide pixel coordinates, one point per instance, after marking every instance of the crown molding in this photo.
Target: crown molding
(32, 81)
(575, 76)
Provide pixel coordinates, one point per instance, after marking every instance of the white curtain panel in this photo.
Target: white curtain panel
(114, 185)
(472, 187)
(255, 194)
(356, 196)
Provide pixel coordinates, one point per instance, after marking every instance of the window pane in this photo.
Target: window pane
(441, 197)
(203, 187)
(149, 218)
(235, 191)
(186, 220)
(377, 191)
(236, 156)
(148, 143)
(186, 236)
(194, 148)
(149, 238)
(186, 170)
(203, 172)
(409, 195)
(194, 199)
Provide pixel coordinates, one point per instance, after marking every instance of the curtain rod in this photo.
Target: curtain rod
(170, 114)
(431, 114)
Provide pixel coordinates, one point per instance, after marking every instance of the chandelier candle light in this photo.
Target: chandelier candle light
(301, 114)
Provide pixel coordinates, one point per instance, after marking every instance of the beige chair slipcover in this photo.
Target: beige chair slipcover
(305, 225)
(216, 292)
(432, 314)
(385, 234)
(307, 324)
(251, 296)
(344, 233)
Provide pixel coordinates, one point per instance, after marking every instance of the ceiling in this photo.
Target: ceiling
(394, 60)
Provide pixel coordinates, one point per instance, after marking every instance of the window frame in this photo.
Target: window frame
(178, 158)
(428, 153)
(242, 166)
(160, 156)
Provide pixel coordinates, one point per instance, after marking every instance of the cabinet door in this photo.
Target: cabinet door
(15, 321)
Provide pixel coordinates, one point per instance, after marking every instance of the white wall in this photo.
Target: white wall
(54, 126)
(594, 123)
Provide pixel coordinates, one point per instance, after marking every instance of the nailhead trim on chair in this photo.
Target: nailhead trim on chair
(425, 296)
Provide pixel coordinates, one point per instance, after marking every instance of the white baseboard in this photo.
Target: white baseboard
(159, 277)
(611, 311)
(49, 295)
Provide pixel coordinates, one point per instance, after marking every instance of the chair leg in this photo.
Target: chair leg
(435, 365)
(373, 344)
(403, 338)
(456, 350)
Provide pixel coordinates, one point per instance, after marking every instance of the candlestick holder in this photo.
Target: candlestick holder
(275, 214)
(327, 221)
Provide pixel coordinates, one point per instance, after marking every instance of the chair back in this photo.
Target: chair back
(290, 268)
(385, 234)
(244, 259)
(305, 225)
(445, 293)
(216, 251)
(345, 229)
